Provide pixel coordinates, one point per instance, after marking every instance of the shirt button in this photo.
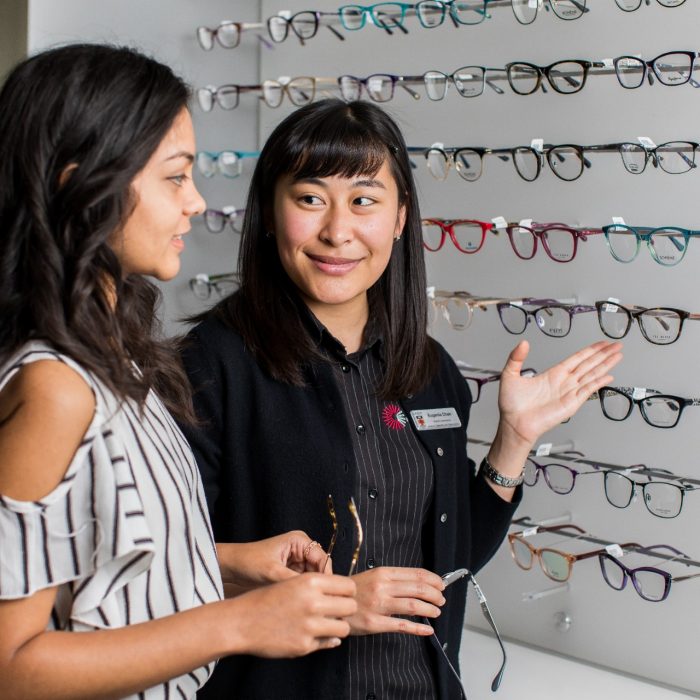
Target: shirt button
(444, 646)
(373, 493)
(409, 396)
(360, 429)
(371, 563)
(443, 518)
(345, 368)
(346, 466)
(440, 451)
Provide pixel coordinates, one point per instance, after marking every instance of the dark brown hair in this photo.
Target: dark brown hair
(99, 113)
(323, 139)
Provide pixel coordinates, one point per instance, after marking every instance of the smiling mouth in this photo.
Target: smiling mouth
(332, 265)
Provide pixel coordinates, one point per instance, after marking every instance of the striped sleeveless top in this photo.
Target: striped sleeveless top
(125, 537)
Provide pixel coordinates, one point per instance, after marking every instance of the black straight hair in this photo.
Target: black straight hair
(324, 139)
(77, 123)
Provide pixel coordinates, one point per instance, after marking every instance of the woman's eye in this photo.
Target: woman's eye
(179, 180)
(310, 199)
(364, 201)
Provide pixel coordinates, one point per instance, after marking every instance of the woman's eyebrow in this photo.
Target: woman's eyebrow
(369, 182)
(181, 154)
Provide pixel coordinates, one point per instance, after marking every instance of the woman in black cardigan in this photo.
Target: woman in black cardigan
(318, 377)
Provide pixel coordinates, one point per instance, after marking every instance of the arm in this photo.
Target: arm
(530, 406)
(44, 413)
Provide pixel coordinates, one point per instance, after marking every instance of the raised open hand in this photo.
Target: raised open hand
(530, 406)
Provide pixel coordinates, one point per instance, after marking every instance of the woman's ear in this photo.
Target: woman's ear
(400, 222)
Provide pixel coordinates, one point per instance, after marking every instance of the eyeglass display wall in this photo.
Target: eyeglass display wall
(583, 617)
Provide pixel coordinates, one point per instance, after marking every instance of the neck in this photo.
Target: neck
(346, 322)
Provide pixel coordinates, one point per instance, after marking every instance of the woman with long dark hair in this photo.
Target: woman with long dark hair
(109, 580)
(318, 377)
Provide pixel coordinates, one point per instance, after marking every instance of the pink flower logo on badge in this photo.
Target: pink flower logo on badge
(394, 417)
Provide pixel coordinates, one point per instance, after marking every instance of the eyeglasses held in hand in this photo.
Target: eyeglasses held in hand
(380, 87)
(432, 13)
(555, 564)
(658, 410)
(334, 536)
(667, 244)
(467, 235)
(449, 579)
(660, 326)
(222, 285)
(227, 163)
(303, 24)
(565, 77)
(651, 584)
(559, 241)
(457, 308)
(553, 319)
(632, 5)
(300, 91)
(664, 499)
(670, 68)
(558, 477)
(673, 157)
(215, 220)
(525, 11)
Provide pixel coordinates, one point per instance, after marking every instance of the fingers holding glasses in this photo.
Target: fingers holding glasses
(385, 592)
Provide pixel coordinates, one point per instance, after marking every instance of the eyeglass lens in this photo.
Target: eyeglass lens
(632, 5)
(661, 499)
(651, 584)
(558, 478)
(553, 321)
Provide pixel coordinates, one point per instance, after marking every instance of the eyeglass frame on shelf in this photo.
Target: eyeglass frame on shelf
(215, 158)
(549, 4)
(227, 214)
(637, 312)
(447, 228)
(542, 72)
(539, 230)
(644, 234)
(571, 309)
(216, 282)
(630, 395)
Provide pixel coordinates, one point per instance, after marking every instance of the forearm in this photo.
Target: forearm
(115, 663)
(507, 456)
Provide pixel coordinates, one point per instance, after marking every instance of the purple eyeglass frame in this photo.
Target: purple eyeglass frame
(540, 230)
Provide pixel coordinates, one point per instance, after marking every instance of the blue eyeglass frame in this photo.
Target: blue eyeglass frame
(370, 10)
(644, 234)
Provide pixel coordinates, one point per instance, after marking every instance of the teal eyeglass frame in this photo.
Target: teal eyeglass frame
(645, 234)
(396, 11)
(211, 162)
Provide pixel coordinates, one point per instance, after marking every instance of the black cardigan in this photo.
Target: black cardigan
(270, 453)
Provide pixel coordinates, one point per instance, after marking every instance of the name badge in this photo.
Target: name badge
(436, 419)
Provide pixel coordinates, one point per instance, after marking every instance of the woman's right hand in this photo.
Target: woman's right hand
(387, 591)
(294, 617)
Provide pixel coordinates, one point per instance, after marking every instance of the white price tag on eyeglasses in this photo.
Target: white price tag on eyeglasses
(229, 209)
(615, 550)
(284, 79)
(438, 144)
(537, 144)
(516, 302)
(525, 222)
(285, 13)
(532, 4)
(618, 221)
(530, 531)
(499, 222)
(646, 142)
(544, 449)
(608, 63)
(639, 392)
(610, 307)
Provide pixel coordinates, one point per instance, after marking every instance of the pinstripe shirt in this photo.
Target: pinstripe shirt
(394, 489)
(125, 536)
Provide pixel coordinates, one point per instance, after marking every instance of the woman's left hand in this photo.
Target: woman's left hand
(248, 565)
(530, 406)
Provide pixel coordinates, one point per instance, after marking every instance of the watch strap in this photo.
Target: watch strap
(500, 479)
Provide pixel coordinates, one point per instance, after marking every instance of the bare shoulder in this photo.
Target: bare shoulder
(45, 410)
